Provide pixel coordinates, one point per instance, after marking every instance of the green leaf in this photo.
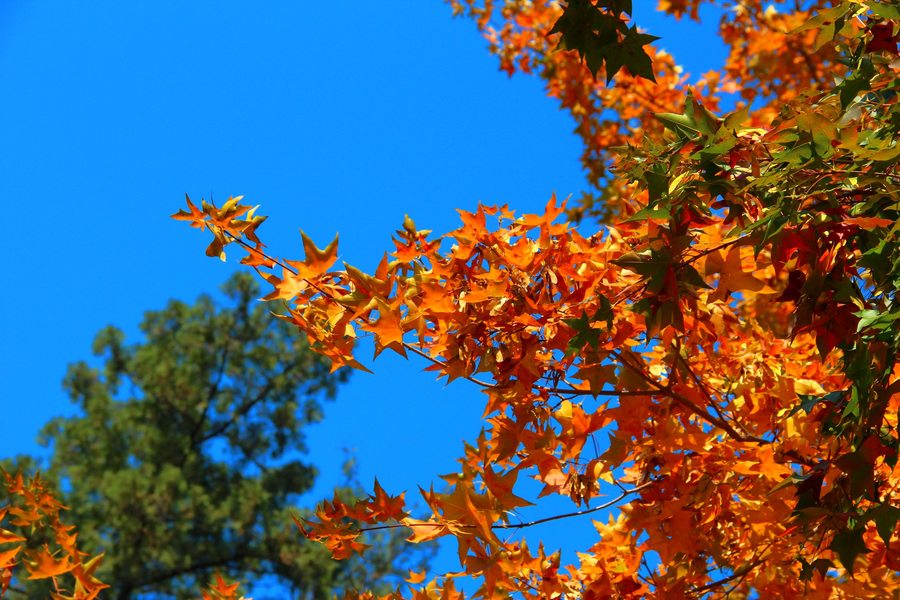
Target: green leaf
(604, 312)
(601, 37)
(690, 276)
(679, 124)
(820, 565)
(695, 119)
(630, 53)
(861, 80)
(849, 544)
(808, 402)
(860, 470)
(875, 319)
(828, 21)
(786, 482)
(852, 408)
(657, 185)
(585, 28)
(885, 517)
(796, 156)
(649, 213)
(652, 266)
(585, 334)
(822, 130)
(716, 146)
(737, 118)
(885, 11)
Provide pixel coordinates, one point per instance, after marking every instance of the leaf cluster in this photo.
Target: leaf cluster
(596, 30)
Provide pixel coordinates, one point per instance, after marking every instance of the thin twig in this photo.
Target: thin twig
(689, 404)
(331, 297)
(706, 393)
(666, 390)
(441, 363)
(576, 513)
(575, 392)
(711, 250)
(738, 574)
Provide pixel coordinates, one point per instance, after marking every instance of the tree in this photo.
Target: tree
(733, 333)
(187, 455)
(769, 63)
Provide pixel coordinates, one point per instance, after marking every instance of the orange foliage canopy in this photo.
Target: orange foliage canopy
(732, 334)
(768, 61)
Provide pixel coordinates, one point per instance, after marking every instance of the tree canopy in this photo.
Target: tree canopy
(187, 456)
(731, 331)
(715, 358)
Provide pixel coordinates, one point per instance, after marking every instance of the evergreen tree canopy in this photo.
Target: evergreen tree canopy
(186, 456)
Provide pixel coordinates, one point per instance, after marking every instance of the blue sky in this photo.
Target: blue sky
(335, 117)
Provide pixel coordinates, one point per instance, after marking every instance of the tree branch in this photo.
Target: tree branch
(689, 404)
(246, 407)
(574, 392)
(194, 567)
(576, 513)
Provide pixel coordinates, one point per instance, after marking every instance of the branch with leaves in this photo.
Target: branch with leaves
(733, 332)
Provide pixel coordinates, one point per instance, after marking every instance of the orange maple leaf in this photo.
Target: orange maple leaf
(424, 531)
(41, 564)
(317, 261)
(7, 557)
(384, 507)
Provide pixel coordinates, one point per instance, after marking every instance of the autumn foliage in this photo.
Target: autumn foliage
(41, 544)
(730, 334)
(717, 362)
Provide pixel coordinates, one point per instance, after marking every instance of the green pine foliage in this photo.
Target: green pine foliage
(188, 453)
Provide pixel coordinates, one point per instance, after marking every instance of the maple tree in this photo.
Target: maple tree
(732, 329)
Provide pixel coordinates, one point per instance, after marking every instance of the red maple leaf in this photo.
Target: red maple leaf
(883, 38)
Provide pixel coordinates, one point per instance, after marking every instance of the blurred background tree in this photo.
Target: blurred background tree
(187, 456)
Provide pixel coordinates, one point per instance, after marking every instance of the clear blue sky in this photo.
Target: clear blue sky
(335, 117)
